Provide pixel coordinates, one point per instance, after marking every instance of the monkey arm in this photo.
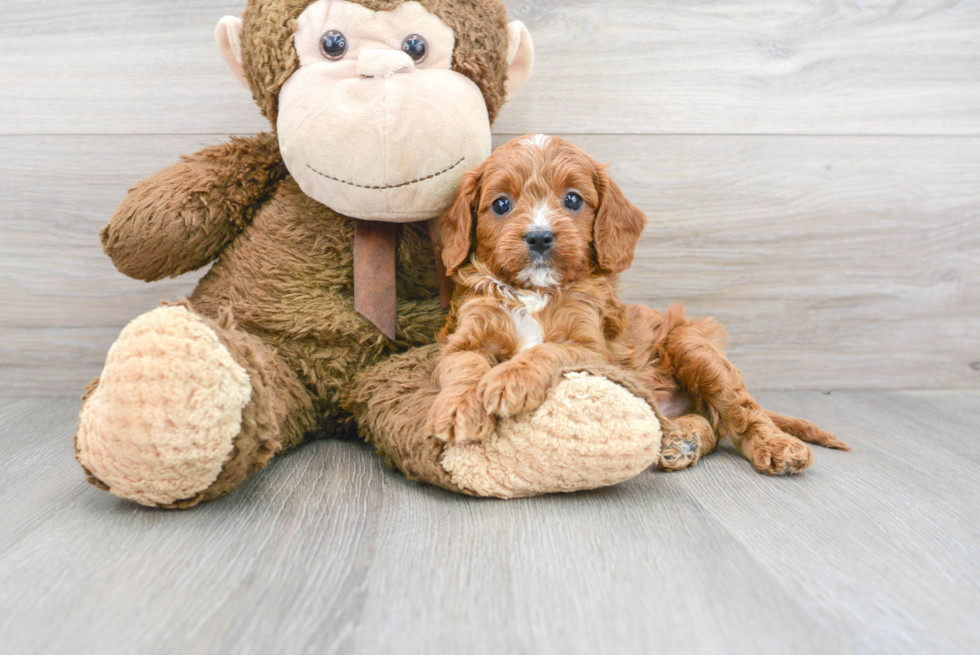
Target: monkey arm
(179, 219)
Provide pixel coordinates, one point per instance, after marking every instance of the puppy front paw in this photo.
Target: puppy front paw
(459, 417)
(513, 388)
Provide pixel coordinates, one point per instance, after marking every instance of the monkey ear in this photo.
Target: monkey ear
(520, 58)
(228, 34)
(456, 225)
(618, 226)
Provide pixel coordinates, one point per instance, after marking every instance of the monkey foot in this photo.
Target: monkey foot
(590, 432)
(161, 423)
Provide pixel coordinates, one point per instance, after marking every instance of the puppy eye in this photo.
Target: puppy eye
(416, 47)
(573, 201)
(333, 45)
(501, 206)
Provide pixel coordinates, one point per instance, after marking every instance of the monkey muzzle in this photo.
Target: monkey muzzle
(388, 143)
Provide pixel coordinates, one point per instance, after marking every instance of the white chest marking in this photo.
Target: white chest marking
(526, 328)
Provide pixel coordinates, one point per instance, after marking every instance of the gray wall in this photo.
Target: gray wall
(811, 170)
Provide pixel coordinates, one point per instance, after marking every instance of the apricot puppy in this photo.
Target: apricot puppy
(535, 241)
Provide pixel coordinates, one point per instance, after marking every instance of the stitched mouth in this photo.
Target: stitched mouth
(390, 186)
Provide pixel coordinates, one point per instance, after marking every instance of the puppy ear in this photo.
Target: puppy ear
(456, 225)
(618, 226)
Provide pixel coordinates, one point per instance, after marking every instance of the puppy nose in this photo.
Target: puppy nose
(540, 241)
(382, 63)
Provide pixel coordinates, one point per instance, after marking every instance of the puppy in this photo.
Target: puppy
(535, 240)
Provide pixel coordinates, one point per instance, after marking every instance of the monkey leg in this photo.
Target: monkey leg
(391, 402)
(594, 429)
(186, 409)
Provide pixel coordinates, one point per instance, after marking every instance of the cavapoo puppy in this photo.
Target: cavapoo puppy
(536, 238)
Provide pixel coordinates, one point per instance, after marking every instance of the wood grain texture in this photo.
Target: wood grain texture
(609, 66)
(844, 262)
(835, 261)
(329, 552)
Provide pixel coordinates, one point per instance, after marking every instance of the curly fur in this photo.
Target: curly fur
(488, 369)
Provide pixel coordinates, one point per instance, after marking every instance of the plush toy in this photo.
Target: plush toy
(317, 316)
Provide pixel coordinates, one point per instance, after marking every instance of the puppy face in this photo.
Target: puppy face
(543, 214)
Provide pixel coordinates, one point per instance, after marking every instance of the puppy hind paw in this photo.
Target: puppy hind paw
(678, 452)
(685, 442)
(780, 454)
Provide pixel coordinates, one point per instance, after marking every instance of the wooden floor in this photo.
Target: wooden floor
(873, 551)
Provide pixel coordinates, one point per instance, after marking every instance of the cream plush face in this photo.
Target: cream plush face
(375, 134)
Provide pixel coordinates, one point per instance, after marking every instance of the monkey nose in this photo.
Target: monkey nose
(382, 63)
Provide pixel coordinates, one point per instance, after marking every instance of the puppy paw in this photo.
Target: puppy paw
(512, 388)
(778, 453)
(678, 451)
(685, 442)
(459, 418)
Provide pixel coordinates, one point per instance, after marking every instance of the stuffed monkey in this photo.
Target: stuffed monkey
(316, 317)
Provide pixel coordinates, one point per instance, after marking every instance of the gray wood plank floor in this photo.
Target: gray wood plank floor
(873, 551)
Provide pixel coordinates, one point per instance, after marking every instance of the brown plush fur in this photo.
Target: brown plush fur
(280, 293)
(179, 219)
(289, 279)
(391, 402)
(481, 45)
(485, 371)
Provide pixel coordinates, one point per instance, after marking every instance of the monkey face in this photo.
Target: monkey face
(375, 123)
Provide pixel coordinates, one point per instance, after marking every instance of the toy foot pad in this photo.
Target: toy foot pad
(589, 433)
(163, 419)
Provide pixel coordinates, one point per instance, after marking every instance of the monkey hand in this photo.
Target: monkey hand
(180, 219)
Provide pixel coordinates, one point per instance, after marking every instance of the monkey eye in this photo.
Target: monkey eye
(333, 45)
(416, 47)
(501, 206)
(573, 201)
